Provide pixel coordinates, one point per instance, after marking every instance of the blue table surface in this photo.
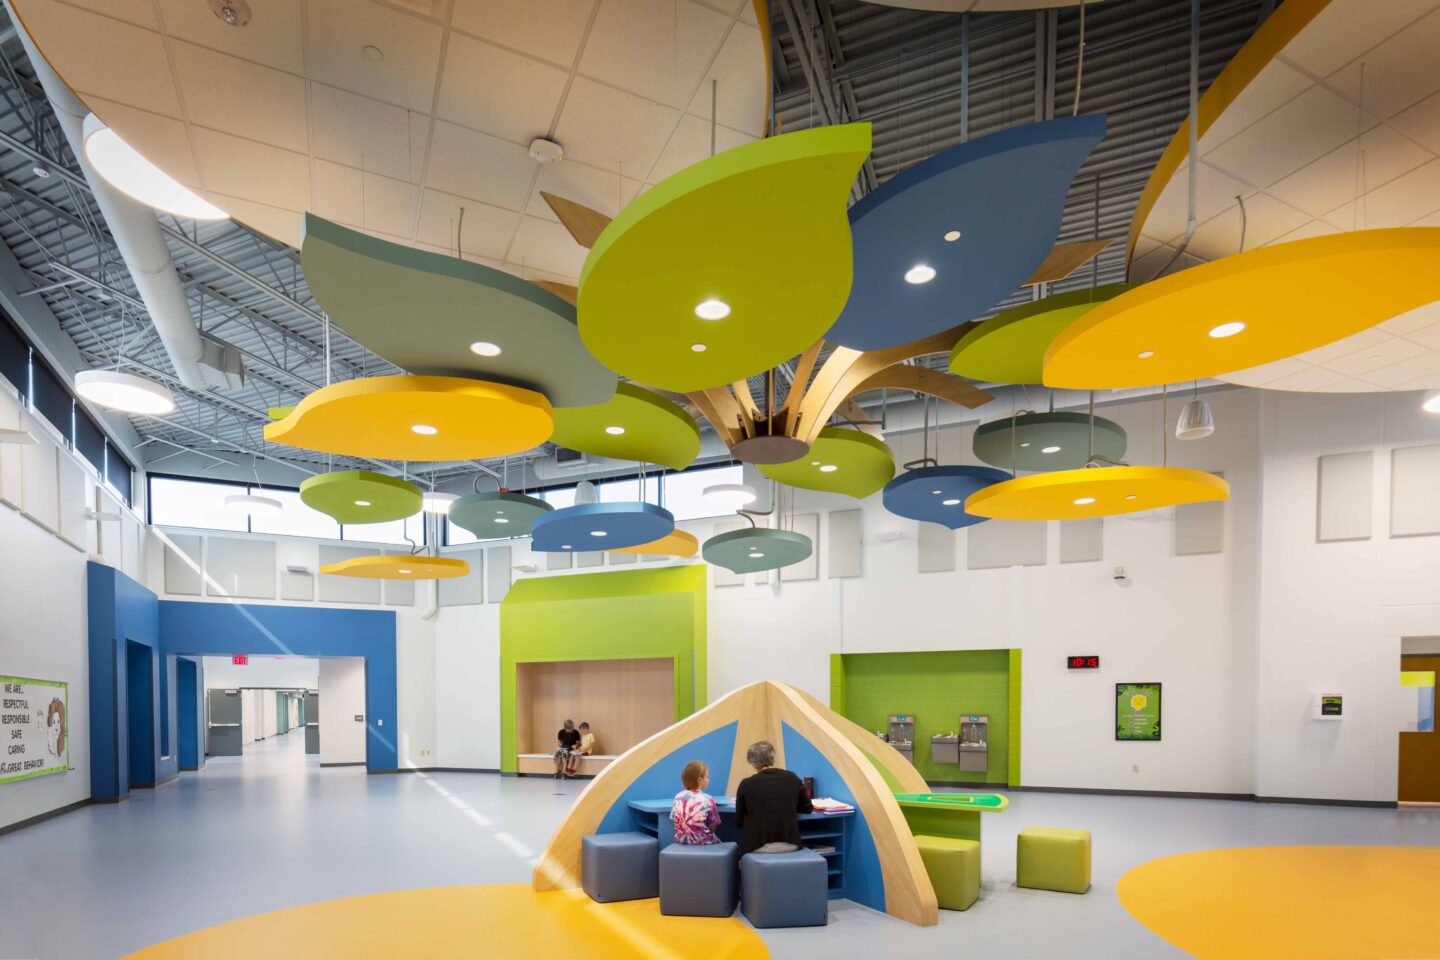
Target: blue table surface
(723, 805)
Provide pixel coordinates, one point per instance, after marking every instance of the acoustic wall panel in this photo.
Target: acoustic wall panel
(1082, 540)
(398, 593)
(297, 586)
(345, 589)
(73, 525)
(1005, 543)
(807, 524)
(467, 590)
(935, 548)
(1200, 528)
(240, 568)
(559, 561)
(590, 558)
(11, 455)
(844, 543)
(497, 574)
(39, 463)
(110, 547)
(1414, 491)
(621, 559)
(182, 564)
(1344, 496)
(132, 547)
(723, 577)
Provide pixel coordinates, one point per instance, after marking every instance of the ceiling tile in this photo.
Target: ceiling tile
(272, 38)
(740, 70)
(1421, 122)
(1371, 339)
(690, 143)
(502, 93)
(116, 61)
(1315, 228)
(608, 128)
(1362, 362)
(364, 133)
(552, 32)
(1398, 203)
(546, 245)
(747, 13)
(1334, 179)
(167, 144)
(240, 97)
(1215, 194)
(658, 49)
(1428, 336)
(1312, 378)
(389, 205)
(488, 229)
(1398, 73)
(1266, 219)
(1277, 84)
(338, 194)
(595, 188)
(1421, 371)
(1344, 30)
(252, 171)
(1414, 321)
(282, 225)
(339, 31)
(482, 167)
(1307, 127)
(141, 12)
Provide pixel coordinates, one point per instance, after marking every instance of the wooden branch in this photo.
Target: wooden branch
(564, 291)
(724, 413)
(934, 383)
(804, 367)
(1064, 259)
(741, 389)
(584, 224)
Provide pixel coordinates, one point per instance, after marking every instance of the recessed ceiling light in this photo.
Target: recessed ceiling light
(1049, 449)
(484, 348)
(41, 171)
(712, 310)
(599, 533)
(566, 546)
(1083, 501)
(920, 273)
(124, 391)
(501, 520)
(951, 236)
(937, 492)
(424, 429)
(1145, 354)
(698, 347)
(1130, 497)
(1227, 329)
(362, 503)
(755, 554)
(615, 431)
(1431, 403)
(950, 503)
(1025, 444)
(402, 570)
(372, 53)
(126, 170)
(828, 468)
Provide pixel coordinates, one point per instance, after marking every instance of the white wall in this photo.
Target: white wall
(467, 687)
(342, 699)
(285, 673)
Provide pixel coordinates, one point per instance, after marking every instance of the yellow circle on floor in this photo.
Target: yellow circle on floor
(1316, 903)
(493, 920)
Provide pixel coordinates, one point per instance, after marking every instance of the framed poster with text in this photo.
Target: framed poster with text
(1137, 711)
(34, 728)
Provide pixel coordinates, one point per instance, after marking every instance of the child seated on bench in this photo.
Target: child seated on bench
(694, 812)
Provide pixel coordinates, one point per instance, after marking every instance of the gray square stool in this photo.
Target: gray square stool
(698, 880)
(784, 889)
(619, 866)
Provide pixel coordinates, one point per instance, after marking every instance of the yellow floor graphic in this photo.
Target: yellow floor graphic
(1278, 903)
(495, 920)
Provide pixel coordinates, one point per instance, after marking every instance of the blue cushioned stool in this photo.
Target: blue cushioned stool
(698, 881)
(784, 889)
(619, 866)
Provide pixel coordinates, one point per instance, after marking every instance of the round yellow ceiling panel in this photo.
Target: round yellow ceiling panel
(729, 267)
(676, 543)
(1095, 492)
(417, 418)
(399, 567)
(1248, 309)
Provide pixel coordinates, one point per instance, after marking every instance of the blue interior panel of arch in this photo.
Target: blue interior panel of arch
(921, 494)
(1005, 194)
(714, 749)
(864, 881)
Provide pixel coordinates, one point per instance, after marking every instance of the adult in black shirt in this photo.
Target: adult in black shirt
(766, 804)
(565, 741)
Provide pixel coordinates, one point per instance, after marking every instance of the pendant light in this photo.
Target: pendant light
(729, 495)
(1431, 403)
(437, 501)
(253, 503)
(125, 392)
(1196, 421)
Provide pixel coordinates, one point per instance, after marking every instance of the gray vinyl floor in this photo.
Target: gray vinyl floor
(271, 830)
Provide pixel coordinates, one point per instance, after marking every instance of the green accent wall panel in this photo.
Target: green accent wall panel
(837, 683)
(936, 687)
(628, 614)
(1014, 776)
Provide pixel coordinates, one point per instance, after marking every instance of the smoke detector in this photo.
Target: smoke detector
(545, 151)
(232, 13)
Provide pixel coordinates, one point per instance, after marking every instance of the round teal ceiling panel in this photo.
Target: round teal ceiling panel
(634, 424)
(937, 494)
(600, 526)
(436, 315)
(1040, 442)
(952, 236)
(497, 513)
(840, 461)
(360, 496)
(752, 550)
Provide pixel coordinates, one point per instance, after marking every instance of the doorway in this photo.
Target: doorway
(1419, 739)
(257, 707)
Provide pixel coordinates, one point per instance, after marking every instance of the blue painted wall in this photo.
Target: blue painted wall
(190, 707)
(662, 779)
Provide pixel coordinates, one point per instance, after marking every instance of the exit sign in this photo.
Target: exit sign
(239, 659)
(1083, 663)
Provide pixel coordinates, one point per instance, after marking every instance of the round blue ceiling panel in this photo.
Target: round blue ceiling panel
(600, 526)
(938, 494)
(954, 235)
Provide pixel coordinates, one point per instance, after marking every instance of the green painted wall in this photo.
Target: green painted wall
(604, 616)
(936, 687)
(1013, 776)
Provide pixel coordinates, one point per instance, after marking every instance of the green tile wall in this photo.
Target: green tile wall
(937, 688)
(1013, 779)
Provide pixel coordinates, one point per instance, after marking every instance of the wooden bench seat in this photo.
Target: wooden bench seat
(543, 764)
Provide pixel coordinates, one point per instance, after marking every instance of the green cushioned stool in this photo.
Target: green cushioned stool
(954, 868)
(1053, 858)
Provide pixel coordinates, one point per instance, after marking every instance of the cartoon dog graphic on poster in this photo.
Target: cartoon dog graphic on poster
(55, 728)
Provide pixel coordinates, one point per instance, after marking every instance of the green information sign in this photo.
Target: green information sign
(1137, 711)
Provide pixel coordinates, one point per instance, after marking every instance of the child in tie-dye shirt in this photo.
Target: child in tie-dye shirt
(694, 812)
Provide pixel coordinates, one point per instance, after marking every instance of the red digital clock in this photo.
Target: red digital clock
(1083, 663)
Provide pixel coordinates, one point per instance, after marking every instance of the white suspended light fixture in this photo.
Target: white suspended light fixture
(1431, 403)
(1196, 421)
(125, 169)
(585, 493)
(253, 503)
(729, 495)
(438, 501)
(126, 392)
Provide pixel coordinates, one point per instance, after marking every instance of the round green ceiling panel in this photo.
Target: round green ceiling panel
(752, 550)
(360, 496)
(1010, 347)
(497, 513)
(435, 315)
(840, 461)
(729, 267)
(634, 424)
(1041, 442)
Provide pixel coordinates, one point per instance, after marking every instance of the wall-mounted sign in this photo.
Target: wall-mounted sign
(1088, 662)
(240, 659)
(1329, 706)
(34, 728)
(1137, 711)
